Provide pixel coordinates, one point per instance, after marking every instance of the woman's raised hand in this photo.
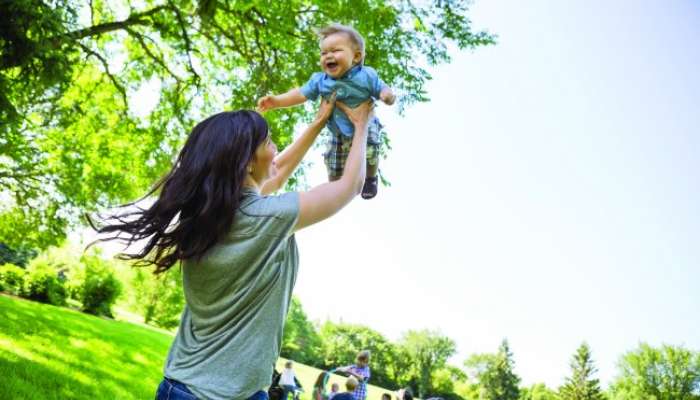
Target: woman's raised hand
(325, 109)
(358, 115)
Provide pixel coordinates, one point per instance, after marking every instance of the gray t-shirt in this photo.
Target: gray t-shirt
(237, 297)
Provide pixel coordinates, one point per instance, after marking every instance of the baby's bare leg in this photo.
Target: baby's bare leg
(372, 169)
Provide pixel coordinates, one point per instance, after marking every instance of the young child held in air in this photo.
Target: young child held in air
(343, 72)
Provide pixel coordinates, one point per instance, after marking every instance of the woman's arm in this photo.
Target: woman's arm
(288, 160)
(325, 200)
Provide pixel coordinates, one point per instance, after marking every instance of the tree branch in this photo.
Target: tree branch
(105, 65)
(188, 43)
(134, 19)
(159, 60)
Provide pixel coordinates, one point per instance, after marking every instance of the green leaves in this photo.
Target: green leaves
(495, 374)
(663, 373)
(76, 134)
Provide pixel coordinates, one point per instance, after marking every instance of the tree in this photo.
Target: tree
(447, 381)
(581, 385)
(301, 342)
(495, 374)
(664, 373)
(159, 300)
(538, 391)
(428, 352)
(76, 133)
(19, 257)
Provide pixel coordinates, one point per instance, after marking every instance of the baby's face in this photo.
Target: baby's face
(338, 54)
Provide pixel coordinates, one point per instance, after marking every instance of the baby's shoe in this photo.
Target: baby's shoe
(370, 188)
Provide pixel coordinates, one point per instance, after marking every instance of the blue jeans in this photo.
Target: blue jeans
(286, 390)
(173, 390)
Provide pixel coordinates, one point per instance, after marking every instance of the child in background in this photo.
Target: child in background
(359, 370)
(335, 388)
(288, 381)
(350, 385)
(344, 72)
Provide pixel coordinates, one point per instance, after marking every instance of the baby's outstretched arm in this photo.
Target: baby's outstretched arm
(291, 98)
(387, 96)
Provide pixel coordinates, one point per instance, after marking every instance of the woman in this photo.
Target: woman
(236, 244)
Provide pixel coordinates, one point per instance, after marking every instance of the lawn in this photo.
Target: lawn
(49, 352)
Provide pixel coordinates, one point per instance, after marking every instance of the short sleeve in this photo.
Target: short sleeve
(286, 207)
(310, 89)
(275, 215)
(376, 85)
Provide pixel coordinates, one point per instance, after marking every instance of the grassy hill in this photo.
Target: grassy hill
(49, 352)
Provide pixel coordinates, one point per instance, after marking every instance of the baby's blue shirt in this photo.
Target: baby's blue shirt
(359, 84)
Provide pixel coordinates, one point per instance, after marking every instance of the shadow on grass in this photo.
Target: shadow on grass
(48, 352)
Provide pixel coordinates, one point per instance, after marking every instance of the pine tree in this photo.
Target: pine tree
(581, 385)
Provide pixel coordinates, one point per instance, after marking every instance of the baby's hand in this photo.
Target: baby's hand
(267, 103)
(387, 96)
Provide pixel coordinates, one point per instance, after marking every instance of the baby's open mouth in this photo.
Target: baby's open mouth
(331, 64)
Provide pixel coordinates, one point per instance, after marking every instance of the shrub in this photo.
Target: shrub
(64, 264)
(100, 288)
(43, 285)
(12, 279)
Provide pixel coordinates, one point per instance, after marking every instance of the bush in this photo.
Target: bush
(100, 288)
(12, 279)
(62, 263)
(43, 285)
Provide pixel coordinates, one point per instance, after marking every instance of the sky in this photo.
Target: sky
(548, 193)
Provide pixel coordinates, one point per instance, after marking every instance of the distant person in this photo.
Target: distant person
(319, 391)
(335, 389)
(359, 370)
(404, 394)
(288, 381)
(351, 386)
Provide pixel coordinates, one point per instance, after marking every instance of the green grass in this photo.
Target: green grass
(49, 352)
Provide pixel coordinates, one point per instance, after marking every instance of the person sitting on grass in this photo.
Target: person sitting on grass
(350, 386)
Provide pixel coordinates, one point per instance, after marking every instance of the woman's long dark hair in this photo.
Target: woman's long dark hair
(198, 197)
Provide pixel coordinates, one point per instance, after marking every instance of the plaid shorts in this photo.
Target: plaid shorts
(338, 149)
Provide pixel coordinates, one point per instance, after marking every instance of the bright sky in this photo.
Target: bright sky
(547, 194)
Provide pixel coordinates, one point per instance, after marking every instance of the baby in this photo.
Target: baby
(344, 72)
